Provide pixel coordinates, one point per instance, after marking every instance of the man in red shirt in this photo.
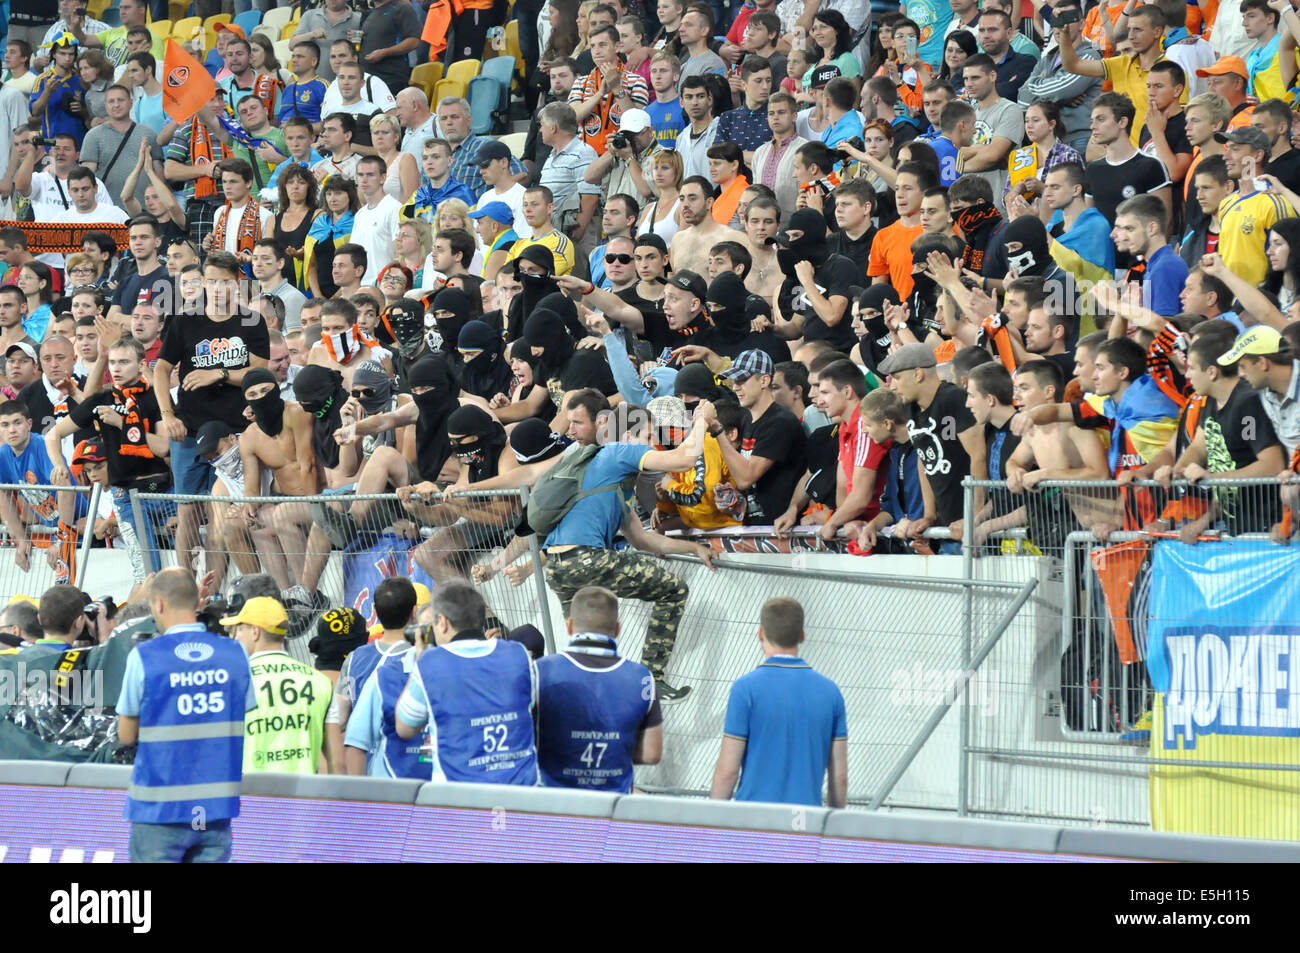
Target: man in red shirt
(858, 489)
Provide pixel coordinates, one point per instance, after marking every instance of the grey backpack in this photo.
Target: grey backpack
(560, 487)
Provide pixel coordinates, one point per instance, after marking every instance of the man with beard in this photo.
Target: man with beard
(482, 353)
(813, 294)
(690, 246)
(479, 443)
(280, 440)
(434, 391)
(321, 395)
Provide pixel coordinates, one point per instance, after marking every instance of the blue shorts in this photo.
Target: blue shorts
(191, 474)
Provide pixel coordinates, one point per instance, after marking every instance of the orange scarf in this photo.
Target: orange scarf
(342, 347)
(265, 88)
(726, 204)
(250, 228)
(201, 148)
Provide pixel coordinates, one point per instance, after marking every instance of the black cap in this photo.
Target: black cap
(690, 281)
(492, 149)
(210, 436)
(824, 74)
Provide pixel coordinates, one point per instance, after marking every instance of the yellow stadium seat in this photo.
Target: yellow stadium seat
(183, 29)
(161, 28)
(210, 30)
(277, 17)
(426, 77)
(514, 49)
(447, 88)
(463, 71)
(514, 141)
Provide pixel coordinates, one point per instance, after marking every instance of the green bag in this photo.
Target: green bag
(560, 487)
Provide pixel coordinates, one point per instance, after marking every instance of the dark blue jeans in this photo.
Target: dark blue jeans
(180, 843)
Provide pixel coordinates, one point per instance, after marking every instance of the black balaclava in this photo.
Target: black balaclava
(534, 287)
(563, 305)
(371, 374)
(432, 446)
(482, 455)
(874, 345)
(811, 246)
(545, 329)
(726, 301)
(320, 392)
(487, 373)
(1033, 257)
(402, 327)
(532, 440)
(457, 302)
(268, 410)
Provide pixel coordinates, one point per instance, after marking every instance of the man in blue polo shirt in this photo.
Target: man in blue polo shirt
(785, 728)
(1140, 231)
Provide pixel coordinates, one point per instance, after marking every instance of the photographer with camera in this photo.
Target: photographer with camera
(373, 679)
(62, 615)
(624, 169)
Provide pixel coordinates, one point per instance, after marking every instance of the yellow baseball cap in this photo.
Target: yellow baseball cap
(264, 612)
(422, 594)
(32, 602)
(1260, 340)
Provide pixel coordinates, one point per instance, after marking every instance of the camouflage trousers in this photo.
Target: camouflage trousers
(629, 575)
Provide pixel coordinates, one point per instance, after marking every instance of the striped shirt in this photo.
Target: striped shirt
(604, 119)
(564, 170)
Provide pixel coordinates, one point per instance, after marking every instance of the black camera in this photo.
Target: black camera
(1066, 17)
(619, 140)
(854, 141)
(42, 141)
(421, 630)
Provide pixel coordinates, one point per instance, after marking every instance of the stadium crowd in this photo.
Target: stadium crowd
(765, 265)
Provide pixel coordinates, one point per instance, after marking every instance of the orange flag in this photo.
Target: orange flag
(187, 86)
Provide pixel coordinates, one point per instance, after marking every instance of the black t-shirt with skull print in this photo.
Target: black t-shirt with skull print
(935, 432)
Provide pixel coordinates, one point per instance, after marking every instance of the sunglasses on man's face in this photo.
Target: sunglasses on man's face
(361, 393)
(621, 259)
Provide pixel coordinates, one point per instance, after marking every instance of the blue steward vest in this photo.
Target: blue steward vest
(480, 708)
(401, 755)
(588, 720)
(190, 760)
(361, 663)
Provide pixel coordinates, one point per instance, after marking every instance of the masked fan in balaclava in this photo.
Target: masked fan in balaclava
(923, 302)
(1026, 242)
(320, 392)
(532, 440)
(374, 391)
(268, 410)
(482, 352)
(564, 368)
(432, 446)
(563, 305)
(824, 276)
(873, 338)
(401, 329)
(978, 224)
(477, 440)
(535, 287)
(732, 309)
(451, 312)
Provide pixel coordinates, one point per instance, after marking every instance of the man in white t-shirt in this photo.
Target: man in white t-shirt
(374, 225)
(241, 222)
(494, 165)
(48, 190)
(86, 208)
(336, 134)
(373, 89)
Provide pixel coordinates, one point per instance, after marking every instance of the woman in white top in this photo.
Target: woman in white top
(660, 217)
(403, 172)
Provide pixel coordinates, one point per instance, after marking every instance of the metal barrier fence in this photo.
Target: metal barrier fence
(30, 515)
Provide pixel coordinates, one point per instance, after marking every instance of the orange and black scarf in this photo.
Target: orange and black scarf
(250, 228)
(265, 88)
(201, 148)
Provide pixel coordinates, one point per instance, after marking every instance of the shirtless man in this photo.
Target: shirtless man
(690, 246)
(762, 221)
(1056, 451)
(343, 345)
(280, 440)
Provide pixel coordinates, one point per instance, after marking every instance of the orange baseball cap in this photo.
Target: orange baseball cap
(239, 30)
(1226, 65)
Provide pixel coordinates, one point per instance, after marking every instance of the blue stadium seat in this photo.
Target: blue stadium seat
(112, 16)
(484, 98)
(248, 21)
(213, 62)
(502, 70)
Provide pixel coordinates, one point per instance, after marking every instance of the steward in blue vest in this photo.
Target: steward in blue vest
(475, 696)
(184, 695)
(597, 714)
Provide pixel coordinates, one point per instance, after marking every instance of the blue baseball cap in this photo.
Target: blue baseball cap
(497, 211)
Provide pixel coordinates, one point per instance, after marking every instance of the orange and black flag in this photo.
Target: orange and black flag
(187, 86)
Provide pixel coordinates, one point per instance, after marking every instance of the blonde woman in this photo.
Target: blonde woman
(660, 216)
(412, 247)
(403, 171)
(453, 213)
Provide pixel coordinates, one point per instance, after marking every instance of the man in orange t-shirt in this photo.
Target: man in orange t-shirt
(891, 252)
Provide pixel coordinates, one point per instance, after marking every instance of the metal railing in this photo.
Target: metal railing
(38, 509)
